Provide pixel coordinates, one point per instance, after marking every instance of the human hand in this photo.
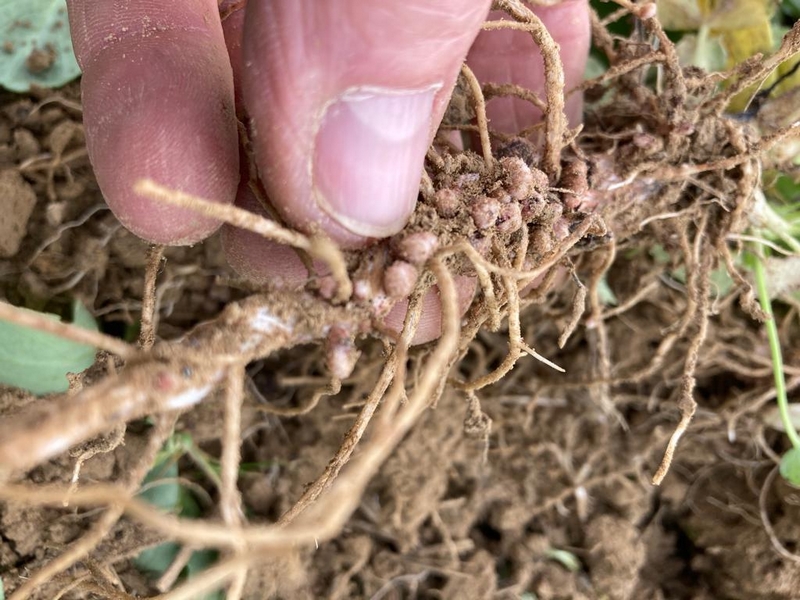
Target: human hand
(344, 98)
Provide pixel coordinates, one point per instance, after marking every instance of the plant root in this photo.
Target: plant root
(663, 167)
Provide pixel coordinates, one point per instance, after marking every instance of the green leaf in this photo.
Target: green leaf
(791, 8)
(39, 362)
(680, 15)
(200, 561)
(786, 188)
(606, 294)
(679, 274)
(170, 496)
(189, 508)
(82, 317)
(721, 281)
(702, 50)
(156, 560)
(790, 466)
(660, 255)
(2, 591)
(164, 495)
(595, 66)
(35, 47)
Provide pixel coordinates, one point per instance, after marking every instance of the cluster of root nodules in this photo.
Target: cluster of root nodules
(540, 226)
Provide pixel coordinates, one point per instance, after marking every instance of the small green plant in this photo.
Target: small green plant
(162, 488)
(718, 36)
(790, 463)
(36, 47)
(38, 361)
(779, 226)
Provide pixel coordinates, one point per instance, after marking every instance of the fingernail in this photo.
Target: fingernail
(368, 158)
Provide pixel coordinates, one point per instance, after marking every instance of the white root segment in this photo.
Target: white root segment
(174, 376)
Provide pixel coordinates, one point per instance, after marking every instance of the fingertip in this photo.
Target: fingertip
(232, 13)
(159, 137)
(158, 104)
(430, 324)
(345, 98)
(258, 260)
(505, 56)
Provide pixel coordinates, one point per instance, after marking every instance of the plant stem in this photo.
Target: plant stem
(202, 460)
(775, 351)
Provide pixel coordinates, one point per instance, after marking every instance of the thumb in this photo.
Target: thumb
(345, 97)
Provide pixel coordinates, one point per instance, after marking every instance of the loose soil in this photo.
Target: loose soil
(536, 485)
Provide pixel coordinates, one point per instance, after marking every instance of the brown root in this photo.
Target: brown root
(649, 169)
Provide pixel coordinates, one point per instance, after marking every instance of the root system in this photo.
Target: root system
(544, 228)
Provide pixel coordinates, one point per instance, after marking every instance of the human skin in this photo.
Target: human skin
(343, 98)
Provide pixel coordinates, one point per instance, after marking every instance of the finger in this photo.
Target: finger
(158, 103)
(232, 15)
(345, 97)
(263, 261)
(505, 56)
(430, 322)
